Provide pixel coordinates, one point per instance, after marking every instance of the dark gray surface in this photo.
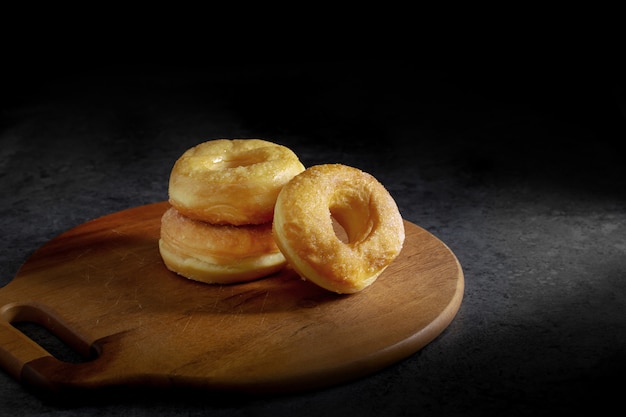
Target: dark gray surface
(518, 173)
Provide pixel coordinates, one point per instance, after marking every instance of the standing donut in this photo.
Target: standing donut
(303, 227)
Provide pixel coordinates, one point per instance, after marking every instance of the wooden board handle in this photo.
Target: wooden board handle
(36, 368)
(19, 354)
(16, 349)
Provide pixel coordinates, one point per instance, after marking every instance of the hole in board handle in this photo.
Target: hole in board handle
(50, 334)
(51, 343)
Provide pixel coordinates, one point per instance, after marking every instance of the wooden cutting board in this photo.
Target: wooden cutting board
(102, 288)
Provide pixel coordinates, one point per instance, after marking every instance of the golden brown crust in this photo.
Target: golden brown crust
(303, 227)
(217, 253)
(231, 181)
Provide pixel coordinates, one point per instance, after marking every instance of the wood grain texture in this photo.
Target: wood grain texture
(103, 289)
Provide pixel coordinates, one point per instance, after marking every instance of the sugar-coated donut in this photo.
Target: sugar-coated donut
(303, 227)
(217, 254)
(231, 181)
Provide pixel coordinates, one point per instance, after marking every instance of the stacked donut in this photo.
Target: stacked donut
(242, 209)
(222, 195)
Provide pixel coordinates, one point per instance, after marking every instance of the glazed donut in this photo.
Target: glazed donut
(217, 254)
(303, 227)
(231, 181)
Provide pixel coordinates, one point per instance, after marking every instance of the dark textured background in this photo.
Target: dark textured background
(518, 171)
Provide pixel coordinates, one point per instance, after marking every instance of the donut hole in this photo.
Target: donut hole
(235, 161)
(351, 219)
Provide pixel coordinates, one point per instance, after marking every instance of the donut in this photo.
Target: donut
(217, 254)
(305, 211)
(231, 181)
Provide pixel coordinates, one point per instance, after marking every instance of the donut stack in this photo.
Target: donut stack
(222, 195)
